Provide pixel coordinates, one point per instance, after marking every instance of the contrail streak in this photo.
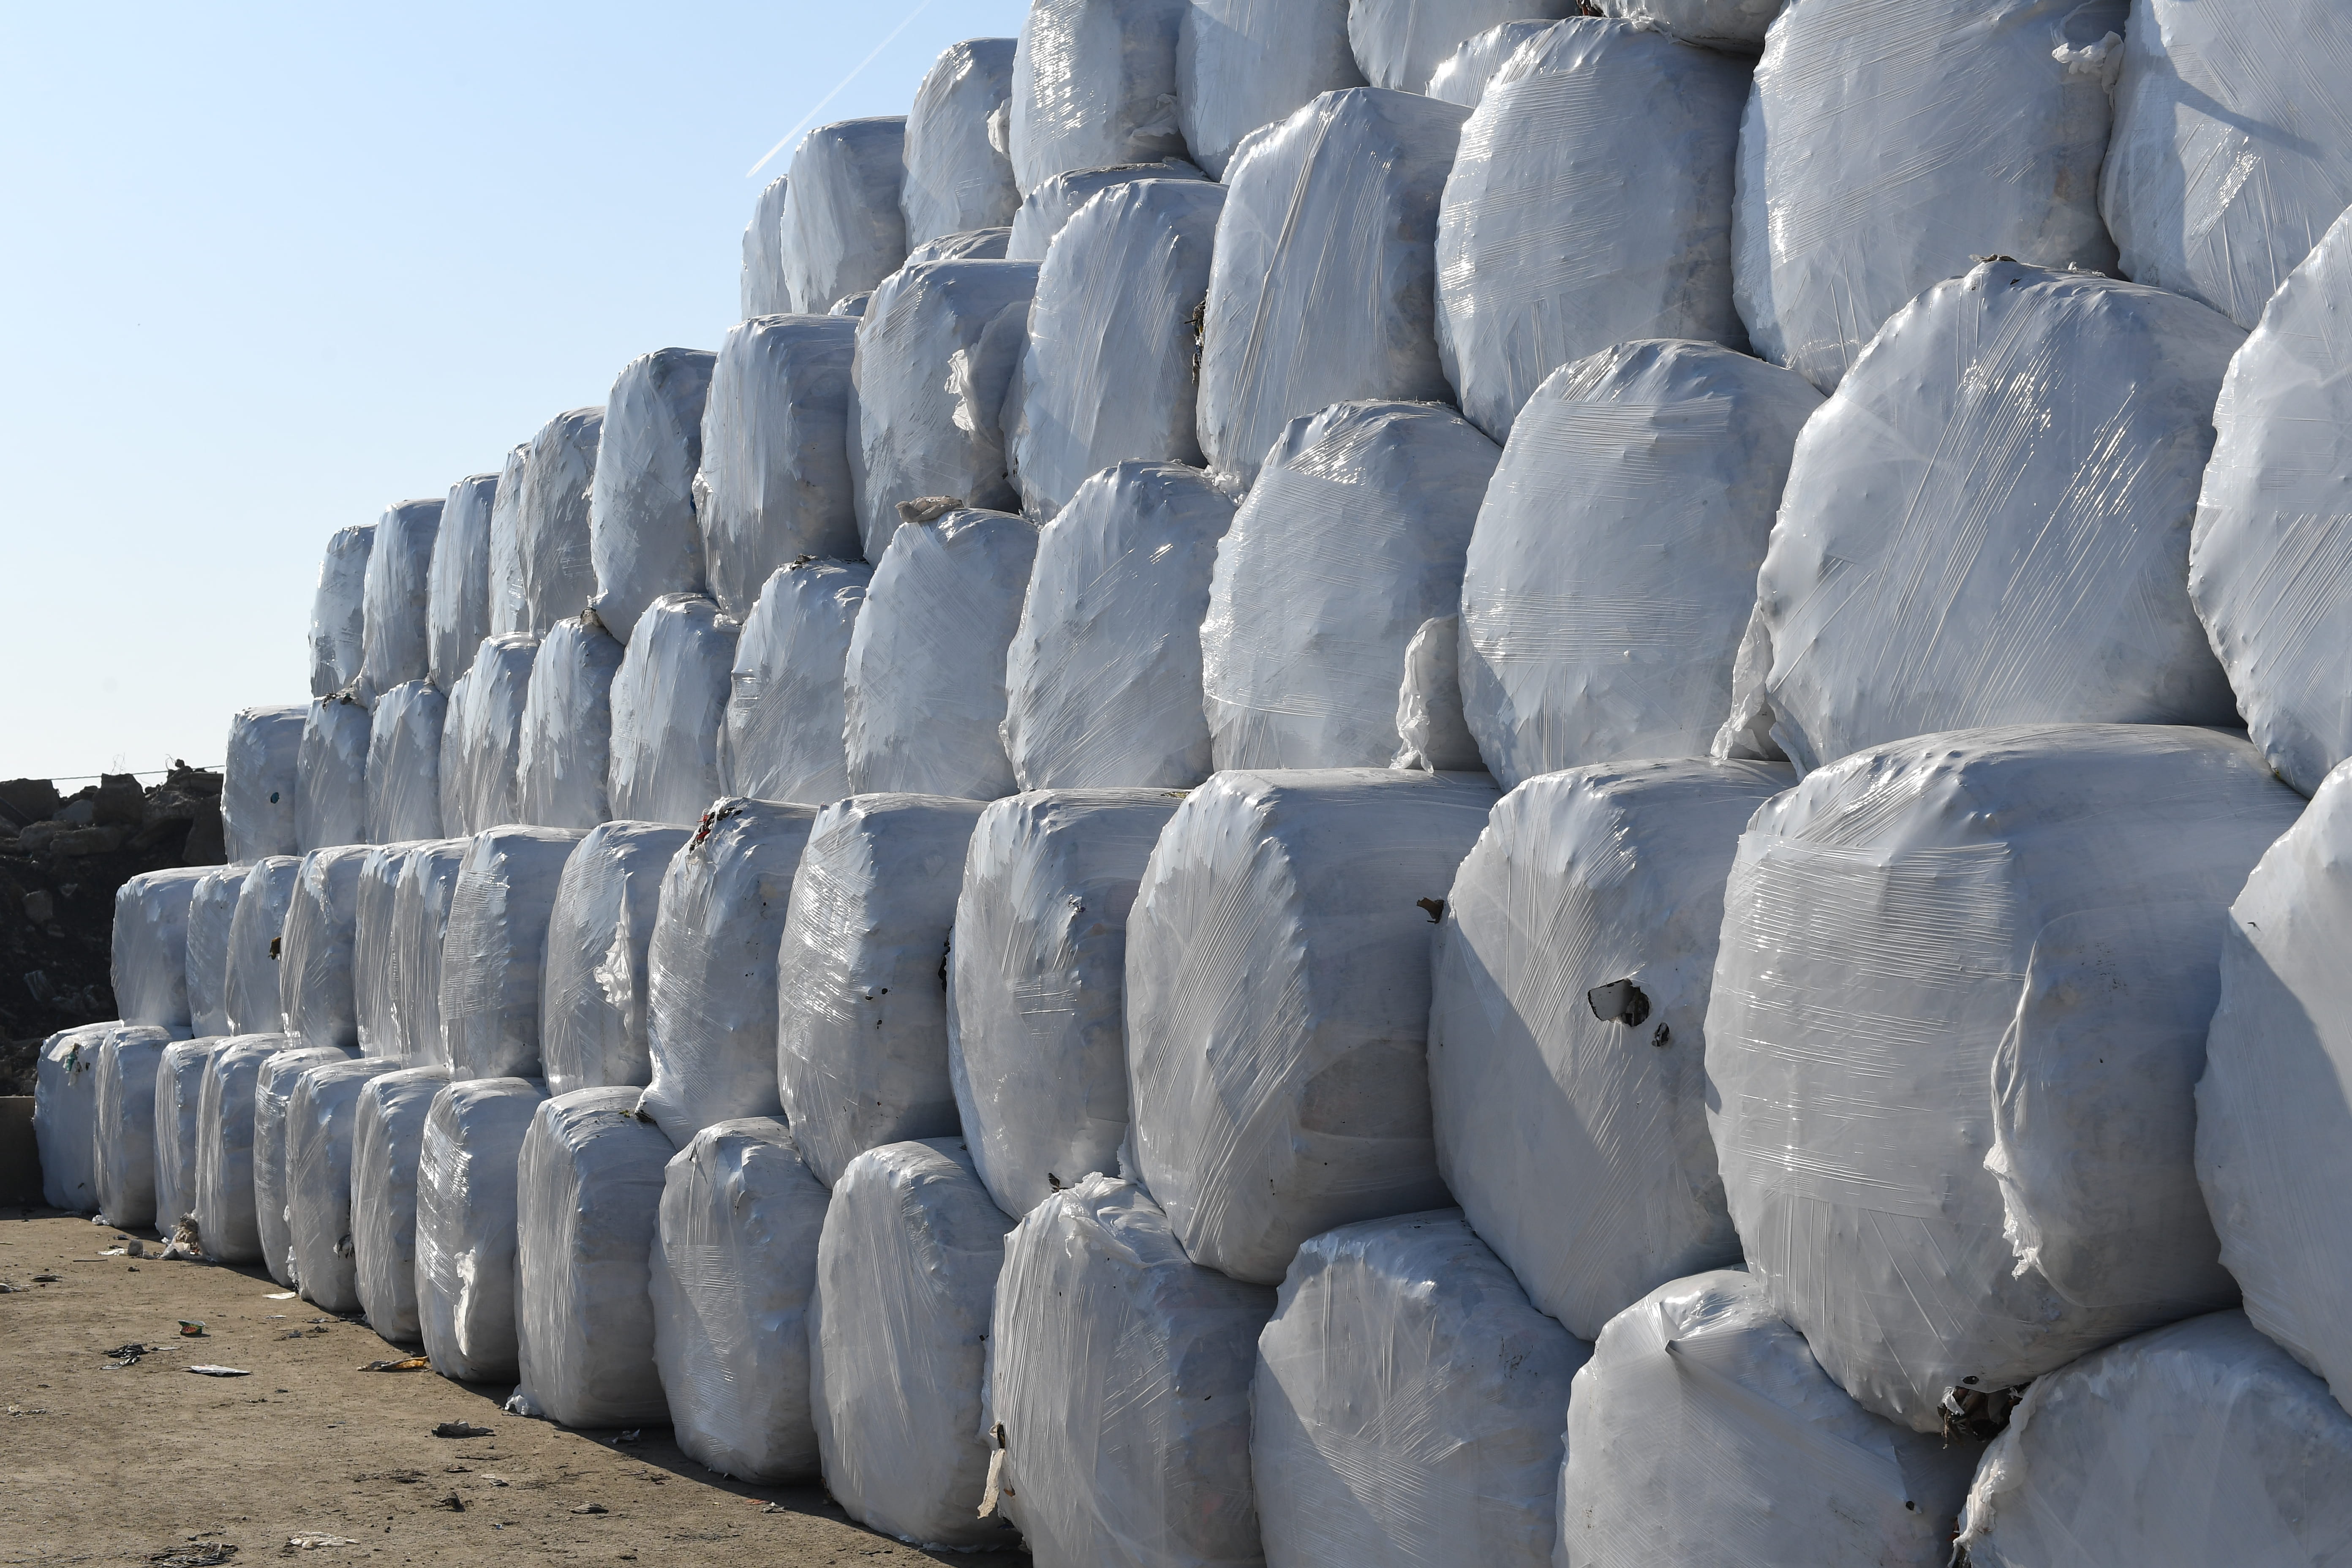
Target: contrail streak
(828, 98)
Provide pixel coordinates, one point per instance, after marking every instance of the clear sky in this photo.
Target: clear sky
(265, 267)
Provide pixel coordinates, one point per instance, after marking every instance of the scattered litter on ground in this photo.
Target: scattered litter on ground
(280, 1296)
(209, 1370)
(310, 1539)
(591, 1507)
(453, 1502)
(413, 1364)
(204, 1555)
(189, 1330)
(460, 1430)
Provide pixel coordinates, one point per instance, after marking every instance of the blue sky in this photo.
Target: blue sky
(269, 267)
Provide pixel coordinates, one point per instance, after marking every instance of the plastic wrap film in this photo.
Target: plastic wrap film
(250, 989)
(782, 738)
(973, 245)
(420, 913)
(226, 1220)
(1959, 1012)
(1702, 1432)
(507, 615)
(2232, 152)
(669, 705)
(861, 1037)
(1589, 890)
(374, 954)
(592, 1009)
(558, 571)
(1407, 1403)
(2199, 1443)
(734, 1269)
(1047, 211)
(710, 967)
(211, 913)
(321, 1127)
(1612, 569)
(65, 1117)
(1735, 26)
(1036, 984)
(387, 1142)
(936, 351)
(1241, 64)
(761, 290)
(642, 538)
(494, 943)
(150, 939)
(122, 1129)
(956, 179)
(852, 306)
(1093, 83)
(395, 642)
(906, 1280)
(924, 697)
(1323, 286)
(1431, 734)
(330, 774)
(457, 584)
(1888, 144)
(466, 1213)
(273, 1094)
(318, 945)
(178, 1106)
(1353, 536)
(776, 483)
(1989, 524)
(1590, 205)
(338, 613)
(1399, 44)
(588, 1225)
(1461, 76)
(1119, 1375)
(403, 763)
(1287, 911)
(843, 232)
(258, 782)
(563, 756)
(1108, 375)
(481, 739)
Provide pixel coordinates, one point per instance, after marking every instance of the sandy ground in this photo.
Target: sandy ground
(151, 1463)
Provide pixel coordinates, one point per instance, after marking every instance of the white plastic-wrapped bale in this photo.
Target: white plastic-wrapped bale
(1431, 734)
(1590, 205)
(321, 1125)
(330, 774)
(1323, 288)
(668, 703)
(1241, 64)
(65, 1116)
(387, 1142)
(1461, 76)
(850, 305)
(906, 1279)
(710, 987)
(2232, 145)
(403, 763)
(122, 1124)
(338, 611)
(843, 232)
(1567, 1052)
(457, 584)
(1047, 211)
(150, 970)
(1399, 44)
(936, 352)
(1613, 568)
(785, 706)
(775, 482)
(227, 1222)
(733, 1273)
(1883, 150)
(481, 739)
(211, 913)
(972, 245)
(420, 914)
(395, 643)
(761, 290)
(250, 989)
(258, 782)
(861, 1039)
(1289, 910)
(2199, 1443)
(1110, 1351)
(957, 180)
(273, 1094)
(1735, 26)
(1353, 536)
(563, 758)
(507, 615)
(1702, 1432)
(924, 697)
(1989, 523)
(315, 954)
(588, 1223)
(592, 1009)
(179, 1105)
(493, 948)
(558, 571)
(642, 538)
(374, 955)
(1404, 1349)
(465, 1211)
(1036, 984)
(1107, 374)
(1093, 83)
(1993, 953)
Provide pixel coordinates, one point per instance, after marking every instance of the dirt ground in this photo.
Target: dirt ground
(149, 1464)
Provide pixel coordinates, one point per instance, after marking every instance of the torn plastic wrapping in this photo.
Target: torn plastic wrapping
(558, 571)
(65, 1117)
(1989, 524)
(211, 913)
(150, 970)
(457, 583)
(403, 763)
(1590, 205)
(1994, 953)
(493, 945)
(1399, 44)
(642, 538)
(1047, 211)
(1431, 736)
(1241, 64)
(710, 966)
(782, 738)
(1698, 1405)
(1735, 26)
(861, 1037)
(466, 1213)
(761, 290)
(481, 737)
(668, 707)
(507, 615)
(1886, 146)
(227, 1222)
(776, 483)
(273, 1094)
(122, 1126)
(387, 1141)
(924, 697)
(258, 782)
(1362, 1372)
(1610, 875)
(374, 955)
(178, 1105)
(562, 753)
(733, 1272)
(1093, 83)
(956, 180)
(592, 1009)
(906, 1280)
(330, 774)
(338, 613)
(322, 1125)
(1324, 284)
(420, 913)
(395, 643)
(1036, 984)
(1288, 909)
(250, 990)
(1119, 1377)
(587, 1225)
(1353, 536)
(842, 229)
(1463, 76)
(2198, 1443)
(1612, 569)
(316, 952)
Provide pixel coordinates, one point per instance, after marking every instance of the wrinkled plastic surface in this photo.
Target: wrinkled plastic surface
(642, 538)
(558, 571)
(227, 1222)
(458, 584)
(1995, 953)
(420, 914)
(1047, 211)
(776, 483)
(321, 1126)
(315, 954)
(330, 774)
(1737, 26)
(211, 913)
(1241, 64)
(850, 305)
(493, 946)
(387, 1141)
(249, 991)
(122, 1129)
(481, 739)
(1401, 43)
(843, 232)
(668, 706)
(338, 611)
(273, 1095)
(972, 245)
(1353, 536)
(150, 969)
(395, 641)
(374, 952)
(65, 1117)
(956, 180)
(592, 1009)
(1461, 76)
(178, 1107)
(562, 757)
(761, 290)
(1093, 83)
(508, 618)
(466, 1212)
(782, 738)
(1430, 732)
(403, 763)
(265, 747)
